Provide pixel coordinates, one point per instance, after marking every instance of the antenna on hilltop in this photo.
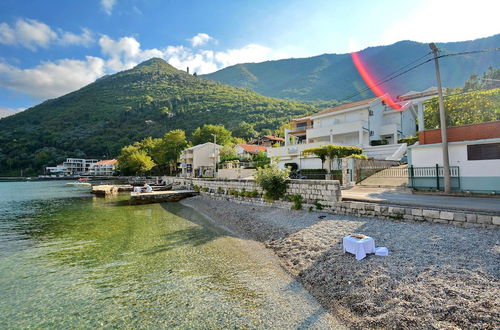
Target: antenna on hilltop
(187, 70)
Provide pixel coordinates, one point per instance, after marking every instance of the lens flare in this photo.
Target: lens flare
(370, 82)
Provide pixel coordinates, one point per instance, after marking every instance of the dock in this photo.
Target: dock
(160, 196)
(104, 190)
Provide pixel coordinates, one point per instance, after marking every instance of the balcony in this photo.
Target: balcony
(341, 128)
(293, 150)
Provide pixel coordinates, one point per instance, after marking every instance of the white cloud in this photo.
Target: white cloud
(107, 6)
(446, 20)
(84, 39)
(52, 79)
(32, 34)
(28, 33)
(200, 39)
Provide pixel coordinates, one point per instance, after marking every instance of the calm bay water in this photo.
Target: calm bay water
(70, 260)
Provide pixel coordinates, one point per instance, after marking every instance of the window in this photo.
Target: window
(483, 151)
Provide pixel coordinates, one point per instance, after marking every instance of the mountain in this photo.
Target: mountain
(4, 112)
(116, 110)
(333, 76)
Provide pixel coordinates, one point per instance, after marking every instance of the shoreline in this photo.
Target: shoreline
(436, 276)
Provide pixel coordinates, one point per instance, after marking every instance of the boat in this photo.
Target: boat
(82, 182)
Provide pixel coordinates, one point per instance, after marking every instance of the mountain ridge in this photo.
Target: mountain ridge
(333, 76)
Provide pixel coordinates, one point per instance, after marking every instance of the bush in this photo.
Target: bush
(378, 142)
(272, 180)
(365, 157)
(409, 140)
(196, 188)
(233, 192)
(292, 166)
(318, 205)
(204, 189)
(220, 191)
(297, 202)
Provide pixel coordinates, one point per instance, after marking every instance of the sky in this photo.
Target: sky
(49, 48)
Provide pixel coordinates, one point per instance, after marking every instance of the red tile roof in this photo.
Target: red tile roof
(347, 106)
(252, 148)
(274, 138)
(106, 162)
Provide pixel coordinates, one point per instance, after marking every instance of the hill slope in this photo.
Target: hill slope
(148, 100)
(6, 112)
(333, 76)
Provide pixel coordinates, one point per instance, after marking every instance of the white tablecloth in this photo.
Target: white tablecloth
(359, 247)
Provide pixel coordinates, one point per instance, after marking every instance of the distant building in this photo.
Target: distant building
(72, 166)
(105, 167)
(268, 141)
(474, 152)
(200, 160)
(247, 150)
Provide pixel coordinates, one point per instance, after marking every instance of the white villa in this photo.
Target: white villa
(200, 160)
(363, 123)
(105, 167)
(72, 166)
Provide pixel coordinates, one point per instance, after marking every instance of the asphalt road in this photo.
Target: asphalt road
(405, 197)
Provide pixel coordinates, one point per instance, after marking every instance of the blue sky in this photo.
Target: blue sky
(49, 48)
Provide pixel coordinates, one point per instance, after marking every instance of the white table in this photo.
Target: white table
(359, 247)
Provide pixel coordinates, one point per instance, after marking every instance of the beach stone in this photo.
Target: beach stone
(431, 214)
(447, 215)
(416, 212)
(459, 217)
(471, 217)
(484, 219)
(496, 221)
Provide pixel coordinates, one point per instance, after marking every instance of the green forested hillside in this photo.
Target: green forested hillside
(116, 110)
(334, 77)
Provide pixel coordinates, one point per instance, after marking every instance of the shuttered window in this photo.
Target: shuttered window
(483, 151)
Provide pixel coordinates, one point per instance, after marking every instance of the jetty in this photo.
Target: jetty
(137, 198)
(104, 190)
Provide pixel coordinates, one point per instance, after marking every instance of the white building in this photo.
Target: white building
(248, 150)
(78, 166)
(105, 167)
(474, 154)
(366, 124)
(200, 160)
(56, 170)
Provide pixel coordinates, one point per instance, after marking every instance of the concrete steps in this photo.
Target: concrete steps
(384, 152)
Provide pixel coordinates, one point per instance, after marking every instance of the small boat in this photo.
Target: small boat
(81, 183)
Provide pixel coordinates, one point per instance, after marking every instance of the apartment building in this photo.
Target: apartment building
(200, 160)
(370, 124)
(105, 167)
(78, 166)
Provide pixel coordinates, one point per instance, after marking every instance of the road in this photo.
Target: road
(405, 197)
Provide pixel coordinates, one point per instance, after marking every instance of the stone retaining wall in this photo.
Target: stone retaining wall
(310, 190)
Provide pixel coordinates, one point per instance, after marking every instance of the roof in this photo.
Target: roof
(202, 145)
(347, 106)
(252, 148)
(106, 162)
(274, 138)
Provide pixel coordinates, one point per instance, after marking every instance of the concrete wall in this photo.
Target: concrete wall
(235, 173)
(475, 175)
(489, 130)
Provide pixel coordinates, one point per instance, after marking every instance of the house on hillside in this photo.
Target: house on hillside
(105, 167)
(370, 124)
(248, 150)
(200, 160)
(268, 141)
(474, 152)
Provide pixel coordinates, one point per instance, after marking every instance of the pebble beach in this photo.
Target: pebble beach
(436, 276)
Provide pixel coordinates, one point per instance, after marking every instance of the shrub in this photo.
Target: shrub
(272, 180)
(378, 142)
(196, 188)
(297, 202)
(292, 166)
(204, 189)
(220, 190)
(318, 205)
(365, 157)
(411, 140)
(233, 192)
(310, 209)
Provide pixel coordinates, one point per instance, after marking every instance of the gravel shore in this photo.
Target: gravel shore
(436, 276)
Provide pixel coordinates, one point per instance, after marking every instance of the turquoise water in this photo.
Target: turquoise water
(69, 260)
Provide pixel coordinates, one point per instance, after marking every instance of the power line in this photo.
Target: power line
(392, 76)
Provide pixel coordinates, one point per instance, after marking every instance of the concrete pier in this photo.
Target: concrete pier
(160, 196)
(104, 190)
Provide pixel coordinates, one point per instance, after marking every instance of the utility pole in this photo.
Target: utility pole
(442, 123)
(215, 155)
